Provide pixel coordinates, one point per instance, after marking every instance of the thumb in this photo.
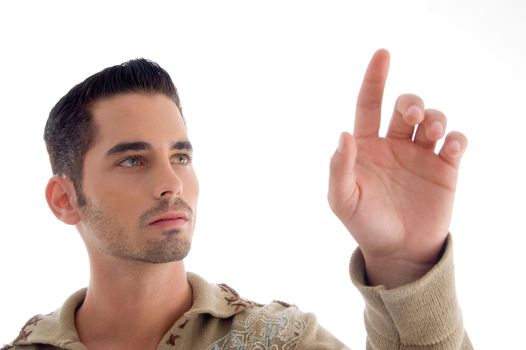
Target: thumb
(342, 178)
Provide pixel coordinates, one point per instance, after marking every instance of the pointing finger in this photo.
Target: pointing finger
(369, 104)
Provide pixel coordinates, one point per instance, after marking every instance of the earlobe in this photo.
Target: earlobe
(60, 196)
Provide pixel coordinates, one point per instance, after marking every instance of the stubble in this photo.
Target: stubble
(112, 238)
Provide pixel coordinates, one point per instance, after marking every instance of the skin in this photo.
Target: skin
(126, 190)
(394, 194)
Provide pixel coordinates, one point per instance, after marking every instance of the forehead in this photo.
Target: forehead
(151, 118)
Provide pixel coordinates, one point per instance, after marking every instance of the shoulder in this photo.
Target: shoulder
(55, 330)
(278, 324)
(240, 323)
(28, 347)
(278, 312)
(272, 312)
(25, 332)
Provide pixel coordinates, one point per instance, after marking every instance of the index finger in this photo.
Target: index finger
(369, 104)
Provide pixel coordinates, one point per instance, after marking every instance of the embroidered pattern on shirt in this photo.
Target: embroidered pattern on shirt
(235, 300)
(172, 339)
(262, 331)
(24, 332)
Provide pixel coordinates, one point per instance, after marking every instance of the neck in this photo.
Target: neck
(132, 304)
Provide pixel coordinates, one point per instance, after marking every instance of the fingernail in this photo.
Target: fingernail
(455, 147)
(436, 127)
(341, 143)
(414, 111)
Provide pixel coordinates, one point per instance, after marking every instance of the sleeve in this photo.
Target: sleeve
(421, 315)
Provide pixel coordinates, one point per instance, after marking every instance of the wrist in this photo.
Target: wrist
(395, 272)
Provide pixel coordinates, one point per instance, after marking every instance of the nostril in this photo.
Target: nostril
(171, 193)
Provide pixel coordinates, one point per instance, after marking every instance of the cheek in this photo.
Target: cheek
(107, 194)
(116, 199)
(191, 185)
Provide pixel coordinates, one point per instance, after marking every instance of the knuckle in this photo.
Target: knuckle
(370, 104)
(425, 142)
(399, 134)
(435, 114)
(457, 136)
(432, 115)
(405, 100)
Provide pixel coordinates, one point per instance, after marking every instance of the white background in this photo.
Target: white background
(267, 87)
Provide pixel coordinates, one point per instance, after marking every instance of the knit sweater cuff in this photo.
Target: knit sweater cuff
(421, 313)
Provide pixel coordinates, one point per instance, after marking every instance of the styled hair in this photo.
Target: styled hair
(70, 130)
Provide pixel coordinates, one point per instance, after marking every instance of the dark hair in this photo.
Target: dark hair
(70, 130)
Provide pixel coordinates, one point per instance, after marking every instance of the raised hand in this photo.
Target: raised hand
(394, 193)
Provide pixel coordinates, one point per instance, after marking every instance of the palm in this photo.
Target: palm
(404, 192)
(394, 194)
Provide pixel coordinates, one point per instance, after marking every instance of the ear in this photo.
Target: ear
(61, 198)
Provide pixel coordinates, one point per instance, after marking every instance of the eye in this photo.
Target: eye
(182, 159)
(132, 162)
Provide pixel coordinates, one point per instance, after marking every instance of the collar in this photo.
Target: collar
(58, 328)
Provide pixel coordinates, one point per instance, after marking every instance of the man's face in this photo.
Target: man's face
(138, 180)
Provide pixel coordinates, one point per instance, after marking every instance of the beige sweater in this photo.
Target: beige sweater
(422, 315)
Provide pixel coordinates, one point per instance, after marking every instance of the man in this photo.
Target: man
(123, 175)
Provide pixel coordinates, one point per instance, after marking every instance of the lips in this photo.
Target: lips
(170, 220)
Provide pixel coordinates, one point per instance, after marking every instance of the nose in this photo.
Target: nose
(168, 183)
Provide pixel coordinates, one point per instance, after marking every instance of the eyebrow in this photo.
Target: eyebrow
(143, 146)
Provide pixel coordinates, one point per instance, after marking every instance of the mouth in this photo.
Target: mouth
(171, 220)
